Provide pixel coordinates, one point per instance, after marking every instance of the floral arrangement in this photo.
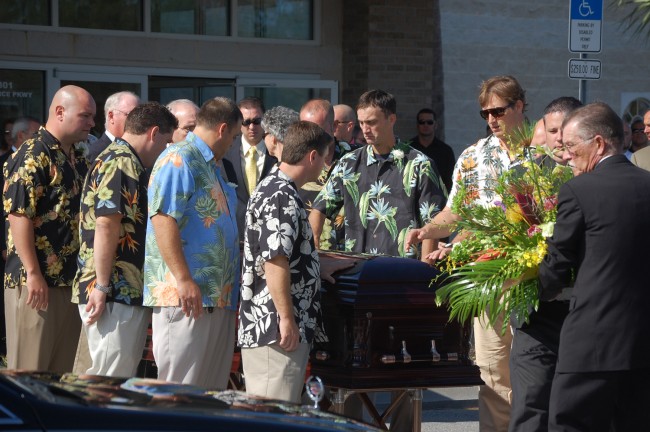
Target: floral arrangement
(494, 270)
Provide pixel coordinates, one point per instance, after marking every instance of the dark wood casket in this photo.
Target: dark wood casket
(385, 330)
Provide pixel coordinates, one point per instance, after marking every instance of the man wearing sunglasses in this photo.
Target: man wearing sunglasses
(502, 101)
(428, 143)
(639, 137)
(248, 155)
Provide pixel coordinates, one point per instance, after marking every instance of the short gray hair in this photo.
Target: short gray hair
(113, 101)
(171, 106)
(277, 120)
(22, 125)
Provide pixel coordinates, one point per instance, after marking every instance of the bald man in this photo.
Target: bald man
(344, 121)
(41, 197)
(185, 112)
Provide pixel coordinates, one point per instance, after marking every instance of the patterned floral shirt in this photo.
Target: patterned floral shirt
(383, 197)
(478, 169)
(44, 184)
(276, 224)
(117, 184)
(186, 184)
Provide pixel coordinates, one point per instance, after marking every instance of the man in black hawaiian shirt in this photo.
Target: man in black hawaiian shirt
(109, 282)
(280, 313)
(43, 182)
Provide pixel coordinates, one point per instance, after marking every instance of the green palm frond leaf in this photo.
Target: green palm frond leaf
(637, 19)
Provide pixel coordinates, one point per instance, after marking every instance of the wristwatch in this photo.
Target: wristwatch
(103, 288)
(448, 245)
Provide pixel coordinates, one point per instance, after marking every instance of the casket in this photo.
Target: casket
(385, 330)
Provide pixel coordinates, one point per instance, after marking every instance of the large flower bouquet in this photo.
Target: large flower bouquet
(494, 270)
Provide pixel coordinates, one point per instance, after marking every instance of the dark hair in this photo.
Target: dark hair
(301, 138)
(252, 102)
(378, 99)
(505, 87)
(219, 110)
(426, 111)
(598, 118)
(563, 104)
(147, 115)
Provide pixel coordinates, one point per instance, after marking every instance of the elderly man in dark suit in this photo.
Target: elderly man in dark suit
(117, 107)
(602, 239)
(248, 156)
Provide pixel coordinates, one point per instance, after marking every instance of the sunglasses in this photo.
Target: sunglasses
(255, 121)
(495, 112)
(637, 131)
(423, 122)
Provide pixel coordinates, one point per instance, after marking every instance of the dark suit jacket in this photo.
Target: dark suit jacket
(602, 235)
(234, 157)
(97, 147)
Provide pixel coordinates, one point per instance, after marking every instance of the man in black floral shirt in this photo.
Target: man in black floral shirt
(112, 230)
(280, 314)
(43, 182)
(386, 188)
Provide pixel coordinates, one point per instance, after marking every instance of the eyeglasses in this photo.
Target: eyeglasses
(255, 121)
(123, 112)
(423, 122)
(637, 131)
(569, 145)
(495, 112)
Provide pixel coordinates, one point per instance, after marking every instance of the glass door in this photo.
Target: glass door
(292, 93)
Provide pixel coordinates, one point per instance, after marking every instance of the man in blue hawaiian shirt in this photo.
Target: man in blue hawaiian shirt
(191, 271)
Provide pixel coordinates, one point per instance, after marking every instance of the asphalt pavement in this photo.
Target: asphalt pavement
(453, 409)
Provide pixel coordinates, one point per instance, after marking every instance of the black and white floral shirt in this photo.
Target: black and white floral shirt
(276, 224)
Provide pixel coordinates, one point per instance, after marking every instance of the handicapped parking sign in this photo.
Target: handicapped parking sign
(585, 26)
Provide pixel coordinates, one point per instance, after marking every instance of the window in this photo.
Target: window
(263, 19)
(637, 107)
(199, 90)
(22, 93)
(275, 19)
(34, 12)
(101, 14)
(208, 17)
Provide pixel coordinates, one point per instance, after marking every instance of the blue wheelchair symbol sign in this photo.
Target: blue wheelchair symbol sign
(586, 10)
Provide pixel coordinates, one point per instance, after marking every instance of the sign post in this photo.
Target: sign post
(585, 36)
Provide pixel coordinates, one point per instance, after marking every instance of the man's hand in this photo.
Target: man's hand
(413, 237)
(96, 305)
(37, 291)
(439, 253)
(289, 334)
(331, 264)
(189, 294)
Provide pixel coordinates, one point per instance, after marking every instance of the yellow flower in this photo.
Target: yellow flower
(105, 194)
(513, 215)
(42, 243)
(7, 204)
(30, 165)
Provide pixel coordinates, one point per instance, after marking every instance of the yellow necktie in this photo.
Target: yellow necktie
(251, 169)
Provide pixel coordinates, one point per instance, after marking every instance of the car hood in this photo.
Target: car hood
(153, 396)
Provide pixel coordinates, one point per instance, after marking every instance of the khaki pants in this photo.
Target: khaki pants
(191, 351)
(492, 357)
(116, 341)
(272, 372)
(41, 340)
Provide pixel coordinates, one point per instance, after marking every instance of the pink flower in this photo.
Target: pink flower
(534, 229)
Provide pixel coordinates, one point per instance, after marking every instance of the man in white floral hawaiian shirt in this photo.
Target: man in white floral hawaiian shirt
(191, 270)
(502, 101)
(280, 312)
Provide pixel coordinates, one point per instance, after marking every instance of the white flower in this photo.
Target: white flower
(398, 154)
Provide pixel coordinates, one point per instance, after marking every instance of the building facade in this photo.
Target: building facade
(427, 53)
